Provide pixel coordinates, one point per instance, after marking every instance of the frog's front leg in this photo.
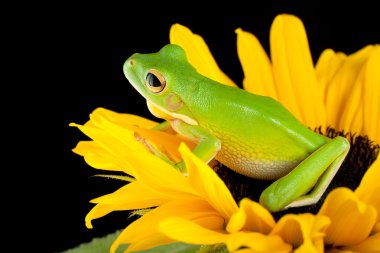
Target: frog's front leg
(207, 146)
(315, 173)
(164, 126)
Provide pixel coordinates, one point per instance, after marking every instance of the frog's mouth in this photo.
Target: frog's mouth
(162, 113)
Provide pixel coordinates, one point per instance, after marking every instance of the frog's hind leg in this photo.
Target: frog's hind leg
(315, 173)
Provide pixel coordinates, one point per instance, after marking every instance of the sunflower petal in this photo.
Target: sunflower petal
(134, 194)
(118, 144)
(160, 176)
(166, 142)
(308, 247)
(351, 219)
(148, 236)
(258, 76)
(115, 147)
(187, 231)
(327, 65)
(256, 242)
(342, 85)
(123, 119)
(129, 197)
(335, 250)
(293, 71)
(351, 118)
(97, 212)
(371, 96)
(209, 184)
(198, 53)
(96, 157)
(303, 231)
(251, 217)
(125, 135)
(370, 180)
(370, 245)
(144, 166)
(145, 233)
(369, 188)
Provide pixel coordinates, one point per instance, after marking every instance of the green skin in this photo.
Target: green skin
(251, 134)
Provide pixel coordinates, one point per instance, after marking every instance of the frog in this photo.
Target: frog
(251, 134)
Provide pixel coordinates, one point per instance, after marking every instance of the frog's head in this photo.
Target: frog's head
(161, 78)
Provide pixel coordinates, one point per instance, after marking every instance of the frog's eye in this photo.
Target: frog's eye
(155, 81)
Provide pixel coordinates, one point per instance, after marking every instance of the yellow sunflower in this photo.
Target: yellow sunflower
(341, 91)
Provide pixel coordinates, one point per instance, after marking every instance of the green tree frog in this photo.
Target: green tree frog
(251, 134)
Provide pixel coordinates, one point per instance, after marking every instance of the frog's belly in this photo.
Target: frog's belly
(255, 165)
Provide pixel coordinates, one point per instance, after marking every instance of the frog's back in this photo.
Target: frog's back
(260, 138)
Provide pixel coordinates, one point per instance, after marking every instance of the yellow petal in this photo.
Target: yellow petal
(370, 180)
(193, 233)
(125, 135)
(342, 84)
(167, 143)
(135, 195)
(371, 96)
(293, 71)
(256, 242)
(303, 231)
(144, 166)
(198, 53)
(97, 157)
(97, 212)
(308, 247)
(190, 232)
(376, 229)
(123, 119)
(258, 76)
(115, 146)
(147, 168)
(129, 197)
(156, 174)
(335, 250)
(370, 245)
(208, 184)
(187, 231)
(351, 219)
(327, 65)
(144, 233)
(251, 217)
(351, 117)
(369, 188)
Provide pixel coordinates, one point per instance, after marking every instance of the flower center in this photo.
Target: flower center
(363, 152)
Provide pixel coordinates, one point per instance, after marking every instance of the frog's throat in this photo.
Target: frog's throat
(162, 113)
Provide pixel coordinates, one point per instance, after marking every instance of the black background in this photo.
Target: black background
(98, 40)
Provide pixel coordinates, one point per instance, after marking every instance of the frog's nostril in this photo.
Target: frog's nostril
(131, 62)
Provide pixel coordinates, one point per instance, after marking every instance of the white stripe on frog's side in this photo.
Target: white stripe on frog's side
(161, 112)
